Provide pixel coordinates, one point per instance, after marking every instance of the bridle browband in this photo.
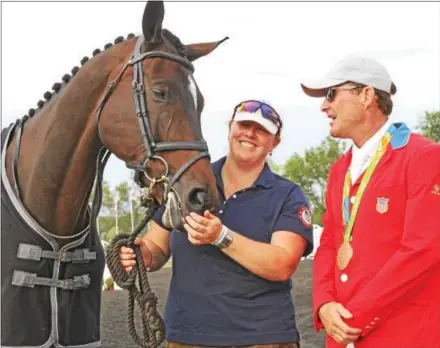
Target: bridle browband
(140, 101)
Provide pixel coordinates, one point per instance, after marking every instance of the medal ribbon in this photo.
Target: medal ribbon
(350, 218)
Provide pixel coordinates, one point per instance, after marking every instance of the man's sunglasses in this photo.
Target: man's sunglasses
(331, 92)
(266, 110)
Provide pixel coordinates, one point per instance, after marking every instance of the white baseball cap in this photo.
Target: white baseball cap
(363, 70)
(271, 121)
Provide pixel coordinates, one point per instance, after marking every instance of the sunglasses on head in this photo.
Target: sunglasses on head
(267, 111)
(331, 92)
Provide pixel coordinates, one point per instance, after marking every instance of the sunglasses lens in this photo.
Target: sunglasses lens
(267, 111)
(270, 114)
(330, 94)
(249, 106)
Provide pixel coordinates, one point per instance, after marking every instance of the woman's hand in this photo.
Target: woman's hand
(128, 257)
(203, 229)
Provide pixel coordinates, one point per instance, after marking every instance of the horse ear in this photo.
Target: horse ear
(195, 51)
(152, 21)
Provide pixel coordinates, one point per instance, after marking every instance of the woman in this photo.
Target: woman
(231, 283)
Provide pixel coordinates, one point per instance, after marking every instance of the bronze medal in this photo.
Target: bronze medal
(345, 254)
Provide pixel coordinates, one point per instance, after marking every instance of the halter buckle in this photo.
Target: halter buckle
(138, 87)
(148, 195)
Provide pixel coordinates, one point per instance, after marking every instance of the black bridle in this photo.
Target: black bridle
(153, 326)
(140, 100)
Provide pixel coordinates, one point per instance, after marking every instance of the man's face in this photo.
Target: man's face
(345, 110)
(250, 142)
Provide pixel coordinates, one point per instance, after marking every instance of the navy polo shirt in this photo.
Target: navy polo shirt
(212, 299)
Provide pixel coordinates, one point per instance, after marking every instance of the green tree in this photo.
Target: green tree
(111, 206)
(311, 171)
(129, 210)
(128, 207)
(429, 125)
(105, 219)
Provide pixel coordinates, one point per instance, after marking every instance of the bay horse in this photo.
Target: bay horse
(138, 100)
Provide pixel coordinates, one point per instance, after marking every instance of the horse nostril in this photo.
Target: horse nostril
(199, 199)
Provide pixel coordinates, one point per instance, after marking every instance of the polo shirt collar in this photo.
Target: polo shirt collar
(266, 178)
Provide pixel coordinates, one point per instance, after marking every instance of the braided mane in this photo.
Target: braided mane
(67, 77)
(175, 41)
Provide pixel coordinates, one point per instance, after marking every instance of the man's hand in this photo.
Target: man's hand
(203, 229)
(331, 315)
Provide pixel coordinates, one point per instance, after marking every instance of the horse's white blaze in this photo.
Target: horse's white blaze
(193, 89)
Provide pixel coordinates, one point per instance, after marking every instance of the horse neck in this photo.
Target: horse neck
(59, 150)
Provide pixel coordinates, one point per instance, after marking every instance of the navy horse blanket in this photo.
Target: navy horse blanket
(51, 296)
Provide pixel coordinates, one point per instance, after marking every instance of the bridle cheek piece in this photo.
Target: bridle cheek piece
(140, 101)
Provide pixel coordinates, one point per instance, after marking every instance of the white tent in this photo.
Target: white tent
(107, 274)
(317, 230)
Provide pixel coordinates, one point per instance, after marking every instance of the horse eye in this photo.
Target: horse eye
(160, 93)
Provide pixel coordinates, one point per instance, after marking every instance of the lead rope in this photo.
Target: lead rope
(152, 323)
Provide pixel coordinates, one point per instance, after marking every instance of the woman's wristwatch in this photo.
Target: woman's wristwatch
(224, 239)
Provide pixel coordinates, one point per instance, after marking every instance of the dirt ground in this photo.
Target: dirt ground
(114, 332)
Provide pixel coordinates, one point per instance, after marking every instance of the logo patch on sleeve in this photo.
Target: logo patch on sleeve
(305, 216)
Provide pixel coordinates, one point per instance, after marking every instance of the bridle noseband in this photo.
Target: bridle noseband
(140, 100)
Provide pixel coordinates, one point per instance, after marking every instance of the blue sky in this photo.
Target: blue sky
(272, 47)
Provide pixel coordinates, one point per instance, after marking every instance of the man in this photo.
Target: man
(231, 282)
(377, 269)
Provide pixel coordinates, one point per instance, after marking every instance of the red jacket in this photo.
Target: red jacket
(392, 284)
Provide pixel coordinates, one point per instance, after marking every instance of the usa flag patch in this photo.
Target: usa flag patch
(382, 205)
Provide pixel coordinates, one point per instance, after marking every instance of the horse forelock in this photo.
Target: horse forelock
(65, 79)
(175, 41)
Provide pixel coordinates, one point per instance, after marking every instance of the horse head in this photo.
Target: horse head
(149, 117)
(139, 100)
